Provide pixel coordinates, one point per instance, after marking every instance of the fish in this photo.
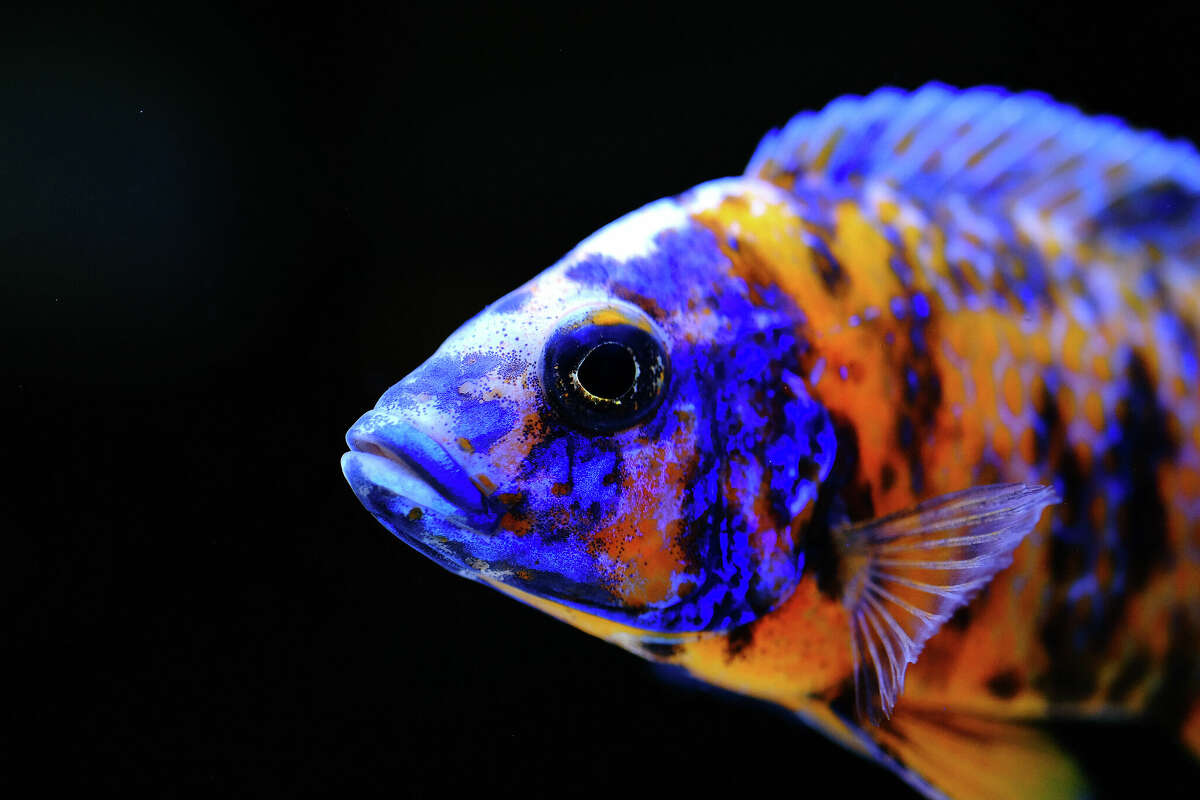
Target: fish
(898, 430)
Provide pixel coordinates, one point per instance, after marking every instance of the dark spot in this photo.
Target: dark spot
(844, 496)
(960, 620)
(1145, 442)
(1048, 427)
(905, 433)
(830, 271)
(739, 639)
(922, 398)
(1075, 488)
(612, 477)
(1160, 205)
(1172, 700)
(906, 438)
(1071, 676)
(1005, 685)
(809, 470)
(841, 699)
(887, 477)
(661, 649)
(1131, 675)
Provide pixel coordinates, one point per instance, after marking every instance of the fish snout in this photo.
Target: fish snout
(416, 456)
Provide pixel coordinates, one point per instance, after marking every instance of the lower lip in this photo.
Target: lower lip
(410, 508)
(366, 472)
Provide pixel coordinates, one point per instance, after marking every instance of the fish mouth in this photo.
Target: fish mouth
(418, 464)
(390, 488)
(419, 495)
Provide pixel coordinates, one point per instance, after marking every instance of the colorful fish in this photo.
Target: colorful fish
(899, 430)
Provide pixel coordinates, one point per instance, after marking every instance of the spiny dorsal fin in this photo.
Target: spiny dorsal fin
(1053, 171)
(906, 573)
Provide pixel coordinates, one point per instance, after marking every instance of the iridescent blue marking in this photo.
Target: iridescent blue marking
(920, 306)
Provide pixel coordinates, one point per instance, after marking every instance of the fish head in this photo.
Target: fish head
(628, 434)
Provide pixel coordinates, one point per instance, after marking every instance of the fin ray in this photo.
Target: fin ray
(896, 603)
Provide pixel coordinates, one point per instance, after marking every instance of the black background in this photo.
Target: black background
(224, 234)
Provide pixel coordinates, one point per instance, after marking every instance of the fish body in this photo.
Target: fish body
(899, 430)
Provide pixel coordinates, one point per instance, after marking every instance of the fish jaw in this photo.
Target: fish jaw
(417, 491)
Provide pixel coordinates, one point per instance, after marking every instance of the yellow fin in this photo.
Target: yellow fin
(975, 758)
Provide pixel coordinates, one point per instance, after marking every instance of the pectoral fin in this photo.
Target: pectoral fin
(906, 573)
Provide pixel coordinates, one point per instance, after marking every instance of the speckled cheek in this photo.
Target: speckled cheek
(643, 548)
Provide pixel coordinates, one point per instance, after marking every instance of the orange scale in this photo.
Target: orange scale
(1093, 410)
(1028, 446)
(1011, 383)
(1002, 442)
(1074, 343)
(1083, 454)
(1039, 347)
(1066, 404)
(985, 388)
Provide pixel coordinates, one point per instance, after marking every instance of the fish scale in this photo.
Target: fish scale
(1062, 358)
(911, 444)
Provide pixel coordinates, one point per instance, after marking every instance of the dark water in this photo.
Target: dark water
(224, 234)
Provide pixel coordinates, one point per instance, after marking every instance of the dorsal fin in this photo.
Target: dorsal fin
(1039, 163)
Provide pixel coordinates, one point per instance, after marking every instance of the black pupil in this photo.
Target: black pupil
(607, 371)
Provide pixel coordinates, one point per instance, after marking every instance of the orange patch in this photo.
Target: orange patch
(1028, 446)
(1012, 390)
(614, 316)
(1093, 410)
(1073, 345)
(518, 525)
(464, 444)
(1066, 404)
(1083, 454)
(1040, 349)
(1002, 442)
(799, 649)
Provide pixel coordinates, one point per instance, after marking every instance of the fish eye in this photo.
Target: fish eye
(604, 369)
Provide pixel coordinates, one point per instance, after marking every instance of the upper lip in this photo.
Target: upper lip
(415, 450)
